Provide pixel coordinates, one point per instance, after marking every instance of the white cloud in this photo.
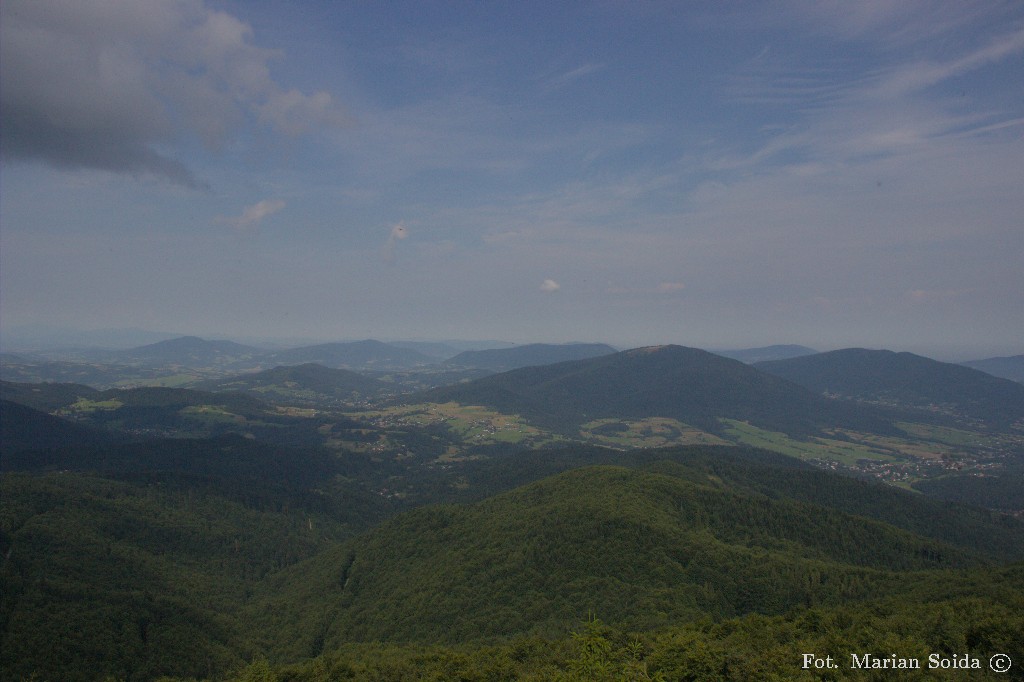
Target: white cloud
(550, 286)
(923, 74)
(109, 84)
(253, 215)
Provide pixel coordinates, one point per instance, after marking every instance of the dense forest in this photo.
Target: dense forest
(164, 565)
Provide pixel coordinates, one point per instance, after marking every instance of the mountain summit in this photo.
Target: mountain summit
(688, 384)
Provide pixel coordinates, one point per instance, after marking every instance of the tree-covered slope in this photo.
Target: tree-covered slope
(192, 557)
(189, 351)
(643, 549)
(757, 472)
(23, 428)
(908, 380)
(933, 622)
(304, 384)
(134, 560)
(153, 412)
(138, 579)
(47, 397)
(691, 385)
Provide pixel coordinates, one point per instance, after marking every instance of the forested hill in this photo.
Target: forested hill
(504, 359)
(308, 383)
(24, 428)
(688, 384)
(189, 351)
(48, 397)
(52, 397)
(907, 380)
(645, 549)
(194, 557)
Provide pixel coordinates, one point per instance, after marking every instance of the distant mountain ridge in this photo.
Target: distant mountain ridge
(1011, 367)
(912, 380)
(504, 359)
(777, 352)
(188, 350)
(353, 354)
(688, 384)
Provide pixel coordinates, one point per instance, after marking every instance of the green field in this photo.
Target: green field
(472, 425)
(844, 452)
(653, 432)
(86, 406)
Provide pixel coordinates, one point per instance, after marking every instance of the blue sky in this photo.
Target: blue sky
(714, 174)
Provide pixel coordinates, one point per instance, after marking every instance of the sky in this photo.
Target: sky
(712, 174)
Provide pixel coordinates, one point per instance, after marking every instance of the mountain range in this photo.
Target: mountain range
(691, 385)
(309, 522)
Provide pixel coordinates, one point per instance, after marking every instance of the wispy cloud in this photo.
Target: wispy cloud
(563, 79)
(922, 74)
(253, 215)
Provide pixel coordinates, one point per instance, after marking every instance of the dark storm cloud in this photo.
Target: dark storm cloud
(112, 84)
(29, 135)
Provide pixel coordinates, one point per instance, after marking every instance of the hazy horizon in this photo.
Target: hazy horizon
(46, 339)
(720, 176)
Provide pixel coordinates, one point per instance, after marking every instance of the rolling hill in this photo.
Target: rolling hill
(644, 548)
(141, 578)
(504, 359)
(306, 384)
(688, 384)
(907, 380)
(95, 374)
(192, 557)
(25, 428)
(188, 351)
(158, 412)
(48, 397)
